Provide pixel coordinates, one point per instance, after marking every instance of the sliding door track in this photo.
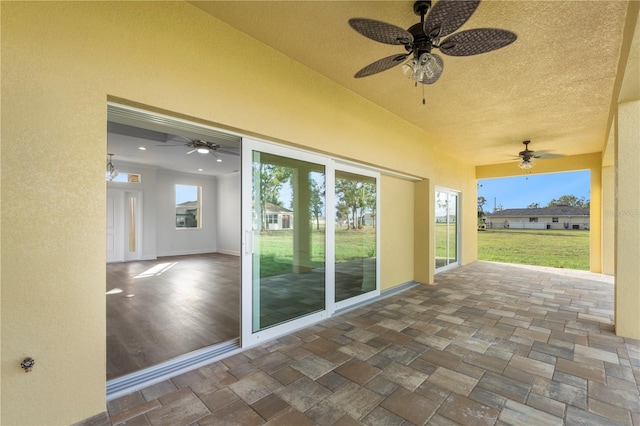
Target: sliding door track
(146, 377)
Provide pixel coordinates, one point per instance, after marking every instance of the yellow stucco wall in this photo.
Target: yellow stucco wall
(424, 239)
(627, 214)
(396, 232)
(626, 163)
(591, 162)
(61, 62)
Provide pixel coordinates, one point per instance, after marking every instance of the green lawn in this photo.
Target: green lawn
(276, 248)
(555, 248)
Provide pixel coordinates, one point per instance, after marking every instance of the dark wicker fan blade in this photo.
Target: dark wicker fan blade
(437, 75)
(381, 65)
(448, 15)
(381, 31)
(473, 42)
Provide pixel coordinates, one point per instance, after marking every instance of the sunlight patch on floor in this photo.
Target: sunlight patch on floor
(156, 270)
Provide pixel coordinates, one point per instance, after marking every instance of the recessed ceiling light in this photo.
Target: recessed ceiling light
(142, 148)
(219, 160)
(200, 170)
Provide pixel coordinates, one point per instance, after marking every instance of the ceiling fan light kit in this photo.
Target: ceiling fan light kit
(446, 17)
(527, 156)
(526, 164)
(426, 68)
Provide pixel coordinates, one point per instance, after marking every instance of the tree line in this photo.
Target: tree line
(354, 198)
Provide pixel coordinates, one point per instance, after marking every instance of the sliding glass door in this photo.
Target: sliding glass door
(447, 228)
(288, 273)
(356, 216)
(284, 253)
(309, 239)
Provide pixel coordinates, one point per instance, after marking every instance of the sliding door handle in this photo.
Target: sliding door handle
(248, 241)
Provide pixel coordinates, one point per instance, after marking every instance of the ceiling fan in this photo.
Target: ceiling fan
(420, 39)
(203, 147)
(527, 156)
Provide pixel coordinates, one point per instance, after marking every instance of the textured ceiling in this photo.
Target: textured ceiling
(553, 86)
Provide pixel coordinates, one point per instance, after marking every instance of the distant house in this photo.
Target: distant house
(275, 217)
(557, 217)
(187, 215)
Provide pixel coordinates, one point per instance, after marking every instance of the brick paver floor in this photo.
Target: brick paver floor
(487, 344)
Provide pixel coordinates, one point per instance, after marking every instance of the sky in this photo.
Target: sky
(520, 191)
(186, 193)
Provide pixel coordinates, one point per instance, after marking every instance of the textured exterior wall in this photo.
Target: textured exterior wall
(627, 212)
(61, 62)
(396, 232)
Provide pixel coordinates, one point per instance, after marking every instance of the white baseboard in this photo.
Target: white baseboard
(185, 252)
(229, 252)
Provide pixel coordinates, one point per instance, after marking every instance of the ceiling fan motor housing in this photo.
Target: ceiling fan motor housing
(421, 42)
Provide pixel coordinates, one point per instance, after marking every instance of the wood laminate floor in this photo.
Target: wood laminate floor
(160, 309)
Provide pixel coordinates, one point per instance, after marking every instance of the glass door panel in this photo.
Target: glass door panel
(442, 229)
(447, 232)
(355, 235)
(288, 259)
(132, 224)
(452, 234)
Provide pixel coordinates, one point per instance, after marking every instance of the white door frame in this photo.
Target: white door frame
(247, 336)
(248, 293)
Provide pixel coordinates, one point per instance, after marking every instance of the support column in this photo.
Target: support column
(627, 211)
(424, 228)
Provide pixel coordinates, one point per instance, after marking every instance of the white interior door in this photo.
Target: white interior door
(115, 225)
(124, 225)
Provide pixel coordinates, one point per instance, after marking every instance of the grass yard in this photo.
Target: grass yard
(555, 248)
(276, 248)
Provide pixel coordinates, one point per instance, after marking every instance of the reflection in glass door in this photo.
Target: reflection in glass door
(288, 259)
(446, 229)
(355, 235)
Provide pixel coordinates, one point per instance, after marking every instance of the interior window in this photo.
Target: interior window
(188, 206)
(125, 177)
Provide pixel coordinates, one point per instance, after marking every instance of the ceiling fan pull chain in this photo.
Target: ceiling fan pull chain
(423, 101)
